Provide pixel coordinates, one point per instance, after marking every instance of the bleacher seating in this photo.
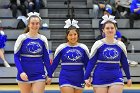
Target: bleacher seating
(122, 23)
(54, 15)
(59, 23)
(8, 13)
(4, 2)
(5, 13)
(84, 34)
(17, 32)
(8, 75)
(12, 22)
(129, 33)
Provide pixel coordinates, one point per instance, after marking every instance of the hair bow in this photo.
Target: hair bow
(108, 18)
(24, 19)
(71, 23)
(33, 14)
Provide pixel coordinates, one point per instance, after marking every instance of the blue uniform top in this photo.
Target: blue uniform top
(3, 39)
(107, 58)
(31, 55)
(72, 57)
(135, 4)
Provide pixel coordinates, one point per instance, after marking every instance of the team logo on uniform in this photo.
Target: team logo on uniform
(34, 47)
(121, 79)
(83, 85)
(73, 55)
(110, 53)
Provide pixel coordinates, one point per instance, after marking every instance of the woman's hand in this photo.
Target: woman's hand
(48, 81)
(24, 76)
(129, 83)
(88, 82)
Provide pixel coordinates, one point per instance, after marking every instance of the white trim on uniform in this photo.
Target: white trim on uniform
(39, 80)
(100, 61)
(69, 85)
(72, 63)
(106, 85)
(31, 55)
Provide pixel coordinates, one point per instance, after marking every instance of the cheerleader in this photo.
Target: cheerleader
(107, 54)
(3, 39)
(31, 54)
(74, 57)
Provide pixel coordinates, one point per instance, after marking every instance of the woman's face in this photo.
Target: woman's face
(109, 30)
(72, 36)
(34, 24)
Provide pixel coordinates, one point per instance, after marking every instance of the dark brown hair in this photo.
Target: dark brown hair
(109, 22)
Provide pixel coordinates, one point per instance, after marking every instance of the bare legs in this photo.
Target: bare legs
(37, 87)
(100, 89)
(68, 89)
(3, 58)
(25, 87)
(115, 89)
(112, 89)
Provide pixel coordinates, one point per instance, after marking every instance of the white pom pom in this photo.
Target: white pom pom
(2, 33)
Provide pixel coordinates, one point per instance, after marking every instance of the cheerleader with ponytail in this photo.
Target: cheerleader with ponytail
(31, 55)
(105, 58)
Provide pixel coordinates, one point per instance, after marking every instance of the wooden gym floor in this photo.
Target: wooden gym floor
(56, 87)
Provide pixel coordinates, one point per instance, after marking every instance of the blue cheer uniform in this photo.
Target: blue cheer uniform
(31, 55)
(73, 60)
(106, 59)
(3, 39)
